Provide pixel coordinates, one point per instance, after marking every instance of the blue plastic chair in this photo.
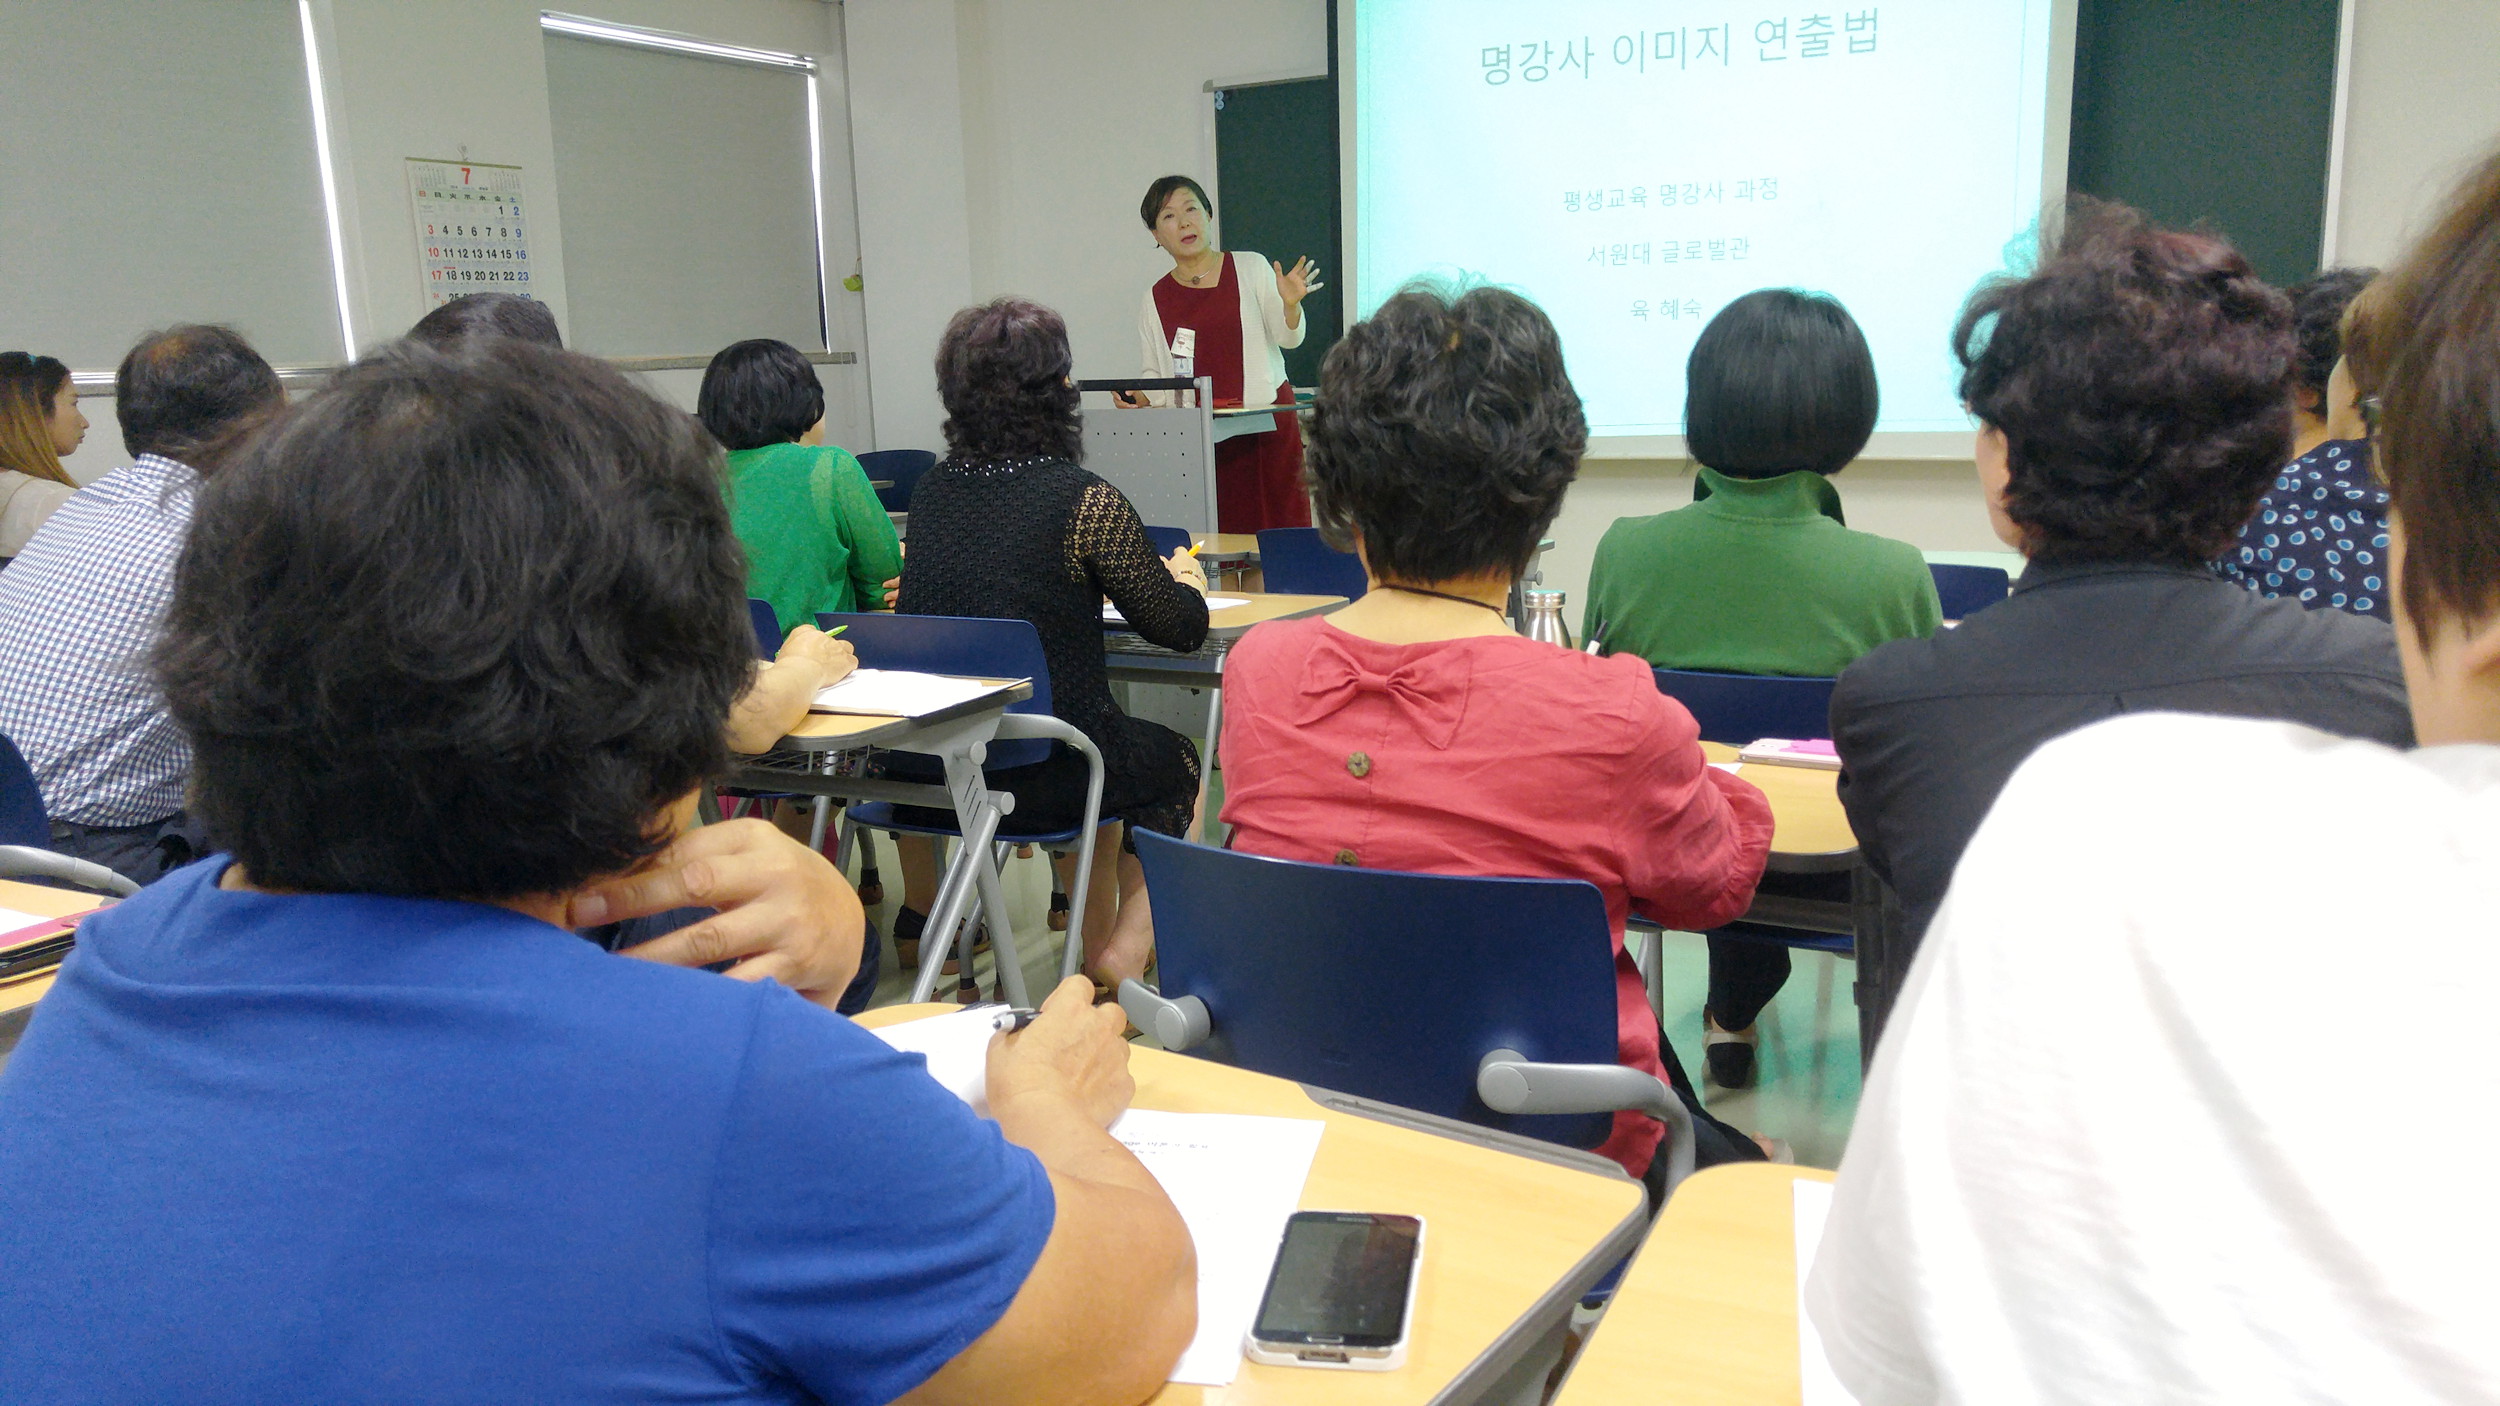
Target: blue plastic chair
(1964, 591)
(1168, 540)
(1489, 1001)
(1742, 708)
(26, 834)
(1296, 562)
(900, 467)
(767, 625)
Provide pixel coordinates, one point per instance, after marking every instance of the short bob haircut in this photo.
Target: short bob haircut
(1444, 434)
(2142, 379)
(462, 625)
(759, 392)
(1161, 190)
(188, 390)
(1780, 380)
(488, 315)
(28, 386)
(2318, 306)
(1002, 371)
(2425, 345)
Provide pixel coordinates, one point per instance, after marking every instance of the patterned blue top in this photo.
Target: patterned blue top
(2320, 534)
(78, 613)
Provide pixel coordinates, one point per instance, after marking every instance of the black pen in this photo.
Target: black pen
(1012, 1019)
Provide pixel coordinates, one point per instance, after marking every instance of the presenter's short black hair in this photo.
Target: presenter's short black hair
(462, 625)
(759, 392)
(1161, 191)
(1002, 371)
(2142, 379)
(1780, 380)
(2318, 320)
(488, 315)
(1444, 435)
(184, 391)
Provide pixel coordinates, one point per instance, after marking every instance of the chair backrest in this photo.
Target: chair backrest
(22, 821)
(1295, 561)
(1964, 591)
(1742, 708)
(954, 644)
(1385, 985)
(1168, 540)
(767, 623)
(900, 467)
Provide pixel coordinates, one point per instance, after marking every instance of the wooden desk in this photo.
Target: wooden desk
(1229, 547)
(18, 997)
(1811, 832)
(1510, 1235)
(1707, 1316)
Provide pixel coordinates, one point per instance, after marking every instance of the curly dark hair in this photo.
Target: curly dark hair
(1444, 434)
(488, 315)
(1161, 190)
(1780, 380)
(462, 625)
(2425, 345)
(1002, 371)
(2318, 322)
(2142, 379)
(759, 392)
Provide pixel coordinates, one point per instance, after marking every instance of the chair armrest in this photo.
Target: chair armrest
(1176, 1025)
(25, 861)
(1509, 1082)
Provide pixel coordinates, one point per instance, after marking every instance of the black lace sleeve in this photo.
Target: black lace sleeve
(1108, 546)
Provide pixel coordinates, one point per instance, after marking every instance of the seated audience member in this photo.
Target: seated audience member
(815, 535)
(1760, 575)
(487, 315)
(1009, 526)
(350, 1115)
(1415, 730)
(79, 608)
(2101, 1158)
(2120, 498)
(2320, 533)
(39, 423)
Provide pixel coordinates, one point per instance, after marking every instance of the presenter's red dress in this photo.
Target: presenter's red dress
(1258, 477)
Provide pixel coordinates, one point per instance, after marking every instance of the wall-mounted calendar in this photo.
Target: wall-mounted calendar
(472, 229)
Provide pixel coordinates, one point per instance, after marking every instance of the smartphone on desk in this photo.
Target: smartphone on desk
(1342, 1293)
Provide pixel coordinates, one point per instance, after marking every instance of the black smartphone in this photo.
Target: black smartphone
(1342, 1293)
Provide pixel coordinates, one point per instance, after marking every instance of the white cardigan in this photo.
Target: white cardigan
(25, 501)
(1264, 336)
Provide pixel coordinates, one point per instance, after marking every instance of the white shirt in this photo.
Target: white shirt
(1264, 336)
(2134, 1135)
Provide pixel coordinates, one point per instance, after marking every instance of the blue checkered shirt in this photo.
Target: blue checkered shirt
(79, 610)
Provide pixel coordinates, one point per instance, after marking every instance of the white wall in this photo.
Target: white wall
(2422, 105)
(389, 99)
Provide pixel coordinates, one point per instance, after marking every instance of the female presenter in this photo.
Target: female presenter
(1231, 318)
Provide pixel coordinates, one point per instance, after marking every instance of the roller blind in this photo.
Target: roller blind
(158, 164)
(688, 200)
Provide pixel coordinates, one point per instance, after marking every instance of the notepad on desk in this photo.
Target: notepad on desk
(900, 693)
(1234, 1177)
(1816, 752)
(1111, 613)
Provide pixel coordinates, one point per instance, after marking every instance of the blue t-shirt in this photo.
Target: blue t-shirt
(2320, 534)
(346, 1148)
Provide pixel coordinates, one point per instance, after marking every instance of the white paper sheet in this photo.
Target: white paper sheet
(1814, 1370)
(11, 920)
(957, 1046)
(1236, 1177)
(1111, 613)
(898, 693)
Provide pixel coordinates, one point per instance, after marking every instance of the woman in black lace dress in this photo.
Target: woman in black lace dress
(1009, 527)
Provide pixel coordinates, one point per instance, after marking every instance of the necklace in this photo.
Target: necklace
(1445, 595)
(1196, 279)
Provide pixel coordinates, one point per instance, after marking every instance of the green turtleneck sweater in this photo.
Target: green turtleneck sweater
(1760, 576)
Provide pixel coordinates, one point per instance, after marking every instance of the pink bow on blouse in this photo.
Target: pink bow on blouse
(1430, 691)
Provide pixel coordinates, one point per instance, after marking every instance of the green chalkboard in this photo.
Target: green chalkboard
(2215, 110)
(1276, 192)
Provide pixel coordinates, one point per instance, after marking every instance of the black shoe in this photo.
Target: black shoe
(1058, 918)
(1731, 1065)
(908, 925)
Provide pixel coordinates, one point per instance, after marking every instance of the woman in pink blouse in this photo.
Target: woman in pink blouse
(1415, 730)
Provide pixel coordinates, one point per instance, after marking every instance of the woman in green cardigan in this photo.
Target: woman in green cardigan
(815, 535)
(1761, 575)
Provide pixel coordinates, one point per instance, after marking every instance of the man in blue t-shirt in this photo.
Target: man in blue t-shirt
(350, 1115)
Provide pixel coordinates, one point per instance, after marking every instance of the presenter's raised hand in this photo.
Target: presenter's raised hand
(1296, 283)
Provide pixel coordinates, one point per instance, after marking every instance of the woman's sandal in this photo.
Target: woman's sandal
(1058, 918)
